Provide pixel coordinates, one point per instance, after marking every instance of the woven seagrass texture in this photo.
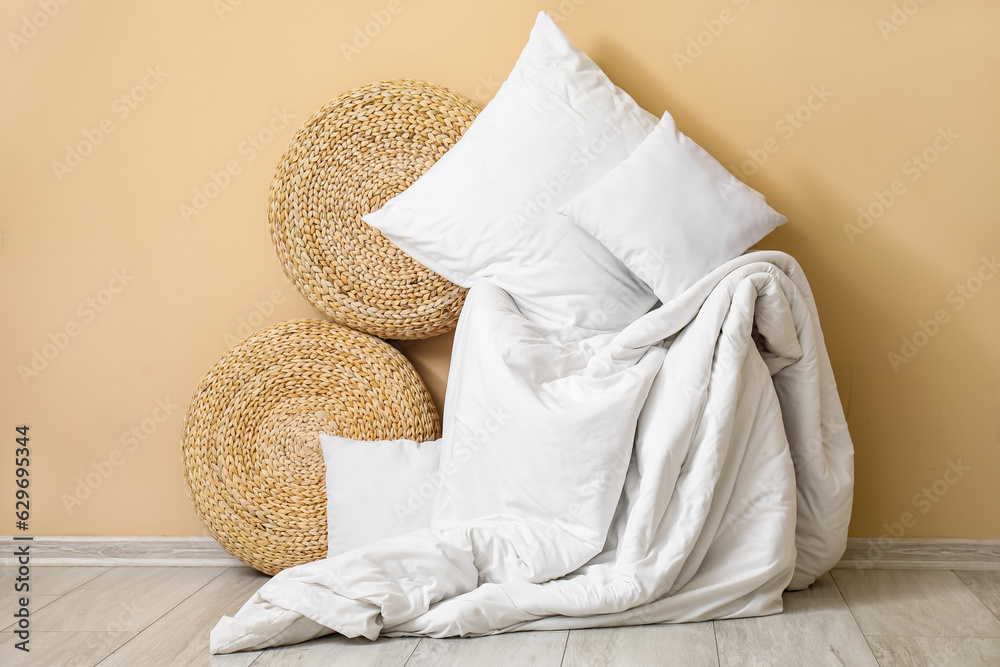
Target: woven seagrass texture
(252, 457)
(347, 160)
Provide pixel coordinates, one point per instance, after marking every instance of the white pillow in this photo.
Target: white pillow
(378, 489)
(487, 208)
(672, 213)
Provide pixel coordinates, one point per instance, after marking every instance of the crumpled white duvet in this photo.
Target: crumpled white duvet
(690, 467)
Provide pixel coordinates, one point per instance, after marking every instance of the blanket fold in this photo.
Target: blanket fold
(691, 467)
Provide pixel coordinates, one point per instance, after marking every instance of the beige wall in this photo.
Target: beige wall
(135, 302)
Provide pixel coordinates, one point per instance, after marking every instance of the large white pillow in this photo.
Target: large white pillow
(672, 213)
(378, 489)
(487, 208)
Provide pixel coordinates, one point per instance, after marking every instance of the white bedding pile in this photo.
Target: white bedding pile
(601, 463)
(689, 468)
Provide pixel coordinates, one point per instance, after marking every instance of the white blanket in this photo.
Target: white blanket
(691, 467)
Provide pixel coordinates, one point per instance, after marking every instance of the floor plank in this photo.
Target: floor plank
(985, 586)
(339, 651)
(816, 628)
(516, 648)
(45, 585)
(50, 580)
(935, 651)
(162, 615)
(180, 637)
(822, 588)
(123, 598)
(914, 603)
(66, 649)
(10, 603)
(679, 644)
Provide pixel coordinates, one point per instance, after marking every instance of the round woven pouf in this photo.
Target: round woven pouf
(347, 160)
(252, 457)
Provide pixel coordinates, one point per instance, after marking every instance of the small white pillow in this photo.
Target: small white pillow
(672, 213)
(378, 489)
(487, 208)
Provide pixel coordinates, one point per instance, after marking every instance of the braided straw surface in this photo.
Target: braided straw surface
(252, 458)
(347, 160)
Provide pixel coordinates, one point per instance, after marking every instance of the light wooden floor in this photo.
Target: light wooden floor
(152, 616)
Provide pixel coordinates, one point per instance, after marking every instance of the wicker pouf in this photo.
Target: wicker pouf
(347, 160)
(252, 458)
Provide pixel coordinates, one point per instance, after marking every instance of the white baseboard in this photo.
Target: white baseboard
(862, 553)
(886, 553)
(124, 551)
